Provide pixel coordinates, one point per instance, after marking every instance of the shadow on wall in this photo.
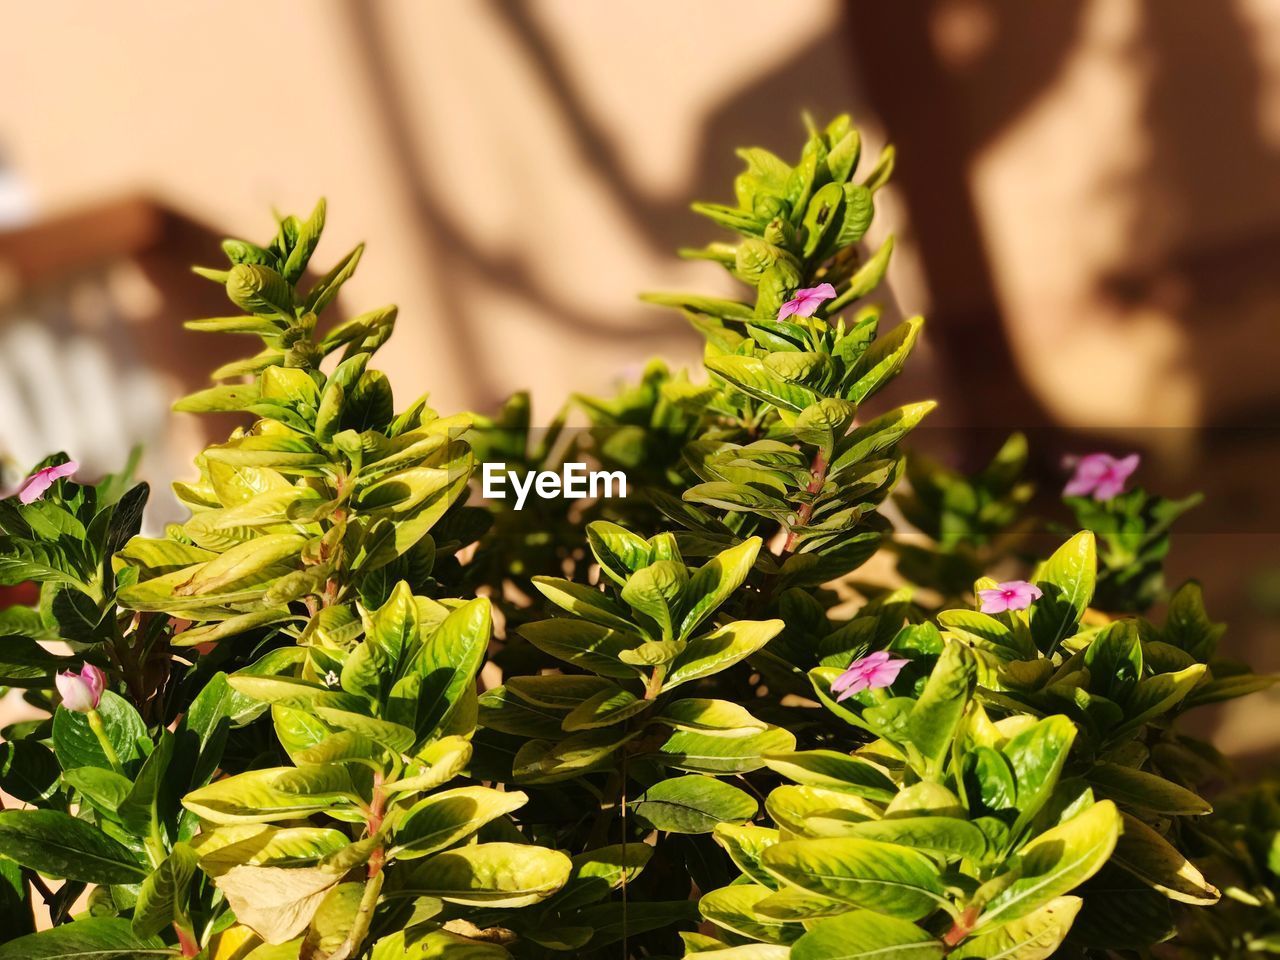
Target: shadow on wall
(764, 113)
(1200, 202)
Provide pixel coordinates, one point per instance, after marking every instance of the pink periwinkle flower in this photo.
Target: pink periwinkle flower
(807, 301)
(1099, 475)
(35, 486)
(872, 672)
(1010, 595)
(81, 692)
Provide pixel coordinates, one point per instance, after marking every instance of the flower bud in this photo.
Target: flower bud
(81, 692)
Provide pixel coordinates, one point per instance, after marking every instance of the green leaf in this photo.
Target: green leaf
(732, 908)
(706, 753)
(717, 651)
(28, 771)
(834, 771)
(258, 289)
(654, 590)
(585, 602)
(986, 633)
(1155, 861)
(752, 377)
(308, 236)
(604, 709)
(491, 874)
(590, 646)
(449, 661)
(597, 872)
(394, 626)
(326, 288)
(714, 582)
(825, 421)
(42, 562)
(394, 735)
(104, 789)
(693, 804)
(941, 836)
(336, 921)
(1054, 863)
(864, 935)
(816, 811)
(884, 360)
(1156, 695)
(1188, 625)
(710, 716)
(501, 709)
(162, 898)
(136, 810)
(1033, 937)
(1036, 756)
(426, 944)
(557, 692)
(58, 845)
(619, 551)
(1147, 791)
(201, 734)
(1067, 580)
(259, 844)
(440, 821)
(883, 877)
(745, 844)
(94, 938)
(538, 761)
(937, 713)
(277, 793)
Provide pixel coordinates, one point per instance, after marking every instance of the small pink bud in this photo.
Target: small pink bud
(81, 692)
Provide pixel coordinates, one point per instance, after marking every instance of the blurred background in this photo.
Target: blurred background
(1087, 209)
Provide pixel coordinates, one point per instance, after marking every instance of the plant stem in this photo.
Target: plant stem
(817, 477)
(99, 731)
(187, 940)
(373, 821)
(962, 926)
(653, 686)
(364, 914)
(608, 803)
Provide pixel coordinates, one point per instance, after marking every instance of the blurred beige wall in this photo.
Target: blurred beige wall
(519, 170)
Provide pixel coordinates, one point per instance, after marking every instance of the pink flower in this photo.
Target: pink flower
(872, 672)
(807, 301)
(1011, 595)
(81, 692)
(34, 487)
(1099, 474)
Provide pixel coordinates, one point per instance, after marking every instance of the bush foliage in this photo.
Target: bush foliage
(293, 756)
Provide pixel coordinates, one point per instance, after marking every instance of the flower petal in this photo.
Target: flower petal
(993, 601)
(34, 487)
(1125, 466)
(857, 686)
(789, 308)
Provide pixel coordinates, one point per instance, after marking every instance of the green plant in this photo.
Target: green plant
(306, 572)
(1133, 533)
(1239, 850)
(1019, 772)
(293, 758)
(971, 521)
